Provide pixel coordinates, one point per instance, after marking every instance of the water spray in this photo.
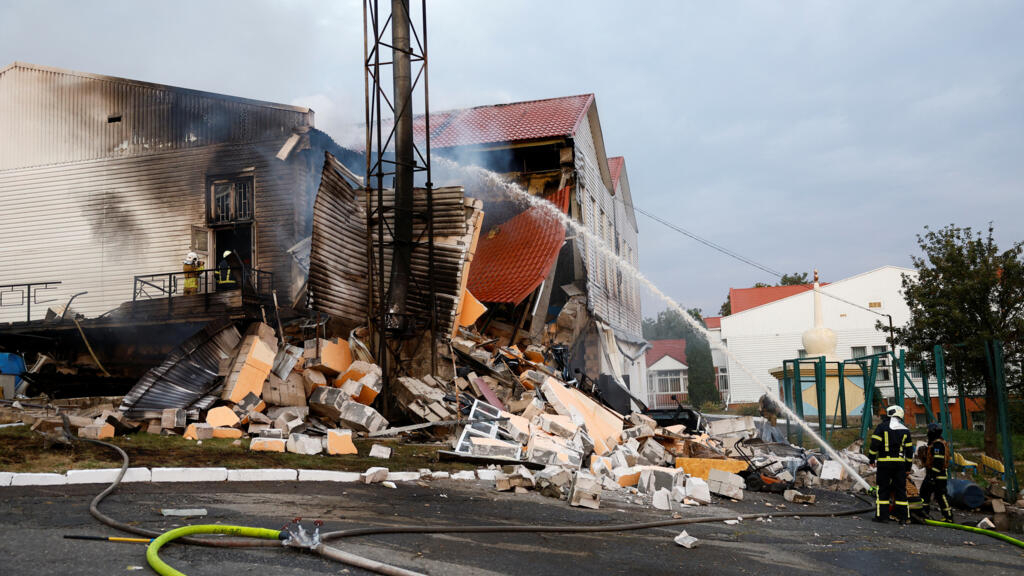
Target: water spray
(517, 192)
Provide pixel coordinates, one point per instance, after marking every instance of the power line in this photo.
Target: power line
(735, 255)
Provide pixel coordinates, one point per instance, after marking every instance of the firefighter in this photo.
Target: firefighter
(893, 450)
(934, 485)
(228, 272)
(192, 267)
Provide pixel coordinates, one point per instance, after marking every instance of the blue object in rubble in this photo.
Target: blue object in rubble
(12, 364)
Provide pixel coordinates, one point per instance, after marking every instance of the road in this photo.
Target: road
(34, 520)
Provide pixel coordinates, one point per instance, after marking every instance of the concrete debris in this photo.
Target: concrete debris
(184, 512)
(986, 524)
(798, 498)
(725, 484)
(585, 491)
(303, 444)
(685, 540)
(374, 475)
(380, 451)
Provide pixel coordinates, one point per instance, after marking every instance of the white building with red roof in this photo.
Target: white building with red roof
(766, 326)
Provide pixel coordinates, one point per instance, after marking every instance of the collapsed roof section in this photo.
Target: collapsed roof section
(514, 257)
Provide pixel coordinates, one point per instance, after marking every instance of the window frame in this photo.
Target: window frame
(242, 206)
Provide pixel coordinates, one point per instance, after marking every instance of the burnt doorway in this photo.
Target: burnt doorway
(238, 239)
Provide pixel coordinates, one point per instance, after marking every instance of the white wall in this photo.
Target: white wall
(761, 338)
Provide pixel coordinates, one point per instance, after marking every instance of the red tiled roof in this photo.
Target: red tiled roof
(747, 298)
(518, 121)
(712, 322)
(675, 349)
(615, 165)
(513, 258)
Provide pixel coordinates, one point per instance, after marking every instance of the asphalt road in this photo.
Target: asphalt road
(33, 522)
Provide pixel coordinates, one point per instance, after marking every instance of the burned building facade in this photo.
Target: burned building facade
(539, 280)
(107, 180)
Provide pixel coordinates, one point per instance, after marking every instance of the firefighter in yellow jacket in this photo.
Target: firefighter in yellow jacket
(934, 485)
(893, 450)
(192, 267)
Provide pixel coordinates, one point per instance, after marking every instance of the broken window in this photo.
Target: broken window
(230, 200)
(200, 240)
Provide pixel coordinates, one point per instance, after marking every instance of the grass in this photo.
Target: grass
(975, 439)
(22, 450)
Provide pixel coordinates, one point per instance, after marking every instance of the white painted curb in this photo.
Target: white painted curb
(38, 479)
(263, 475)
(108, 475)
(327, 476)
(160, 475)
(190, 474)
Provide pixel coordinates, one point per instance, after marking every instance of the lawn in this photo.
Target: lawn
(22, 450)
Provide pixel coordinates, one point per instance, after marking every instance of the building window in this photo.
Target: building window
(874, 304)
(667, 381)
(200, 240)
(229, 200)
(978, 421)
(801, 353)
(723, 380)
(858, 352)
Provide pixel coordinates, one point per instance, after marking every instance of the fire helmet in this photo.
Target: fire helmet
(894, 411)
(191, 258)
(226, 253)
(934, 430)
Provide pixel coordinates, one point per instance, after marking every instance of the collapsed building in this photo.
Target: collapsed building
(542, 284)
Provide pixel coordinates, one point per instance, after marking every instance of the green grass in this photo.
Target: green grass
(975, 439)
(22, 450)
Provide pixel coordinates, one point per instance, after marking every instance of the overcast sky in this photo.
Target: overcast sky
(799, 134)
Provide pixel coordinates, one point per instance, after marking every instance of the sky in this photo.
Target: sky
(801, 135)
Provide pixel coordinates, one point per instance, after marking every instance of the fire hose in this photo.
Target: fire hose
(257, 537)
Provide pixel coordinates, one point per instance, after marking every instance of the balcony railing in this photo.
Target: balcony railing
(250, 281)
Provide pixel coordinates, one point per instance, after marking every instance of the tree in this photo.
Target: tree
(701, 374)
(965, 293)
(794, 279)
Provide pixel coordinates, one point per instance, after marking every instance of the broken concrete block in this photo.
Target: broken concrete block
(697, 489)
(172, 418)
(256, 427)
(798, 498)
(221, 416)
(494, 448)
(339, 441)
(312, 379)
(638, 432)
(154, 427)
(252, 364)
(374, 475)
(464, 475)
(585, 491)
(380, 451)
(832, 471)
(275, 433)
(653, 453)
(327, 402)
(361, 417)
(556, 424)
(662, 499)
(998, 506)
(362, 381)
(725, 484)
(685, 540)
(517, 427)
(96, 431)
(198, 431)
(259, 418)
(288, 425)
(544, 449)
(287, 392)
(986, 524)
(330, 357)
(292, 412)
(226, 432)
(653, 478)
(628, 476)
(678, 493)
(267, 444)
(303, 444)
(641, 420)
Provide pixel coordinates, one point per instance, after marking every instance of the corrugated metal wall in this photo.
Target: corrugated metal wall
(94, 225)
(51, 116)
(606, 296)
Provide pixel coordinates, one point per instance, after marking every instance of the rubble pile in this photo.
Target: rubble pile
(515, 411)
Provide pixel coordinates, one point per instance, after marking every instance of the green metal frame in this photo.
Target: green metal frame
(994, 356)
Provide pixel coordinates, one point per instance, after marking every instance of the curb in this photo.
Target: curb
(171, 475)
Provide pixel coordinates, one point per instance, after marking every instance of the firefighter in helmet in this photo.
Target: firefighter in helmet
(934, 485)
(229, 269)
(192, 267)
(893, 450)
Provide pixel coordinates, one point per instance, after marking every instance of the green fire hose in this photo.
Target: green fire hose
(165, 569)
(991, 533)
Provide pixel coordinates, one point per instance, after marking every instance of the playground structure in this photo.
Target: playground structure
(821, 382)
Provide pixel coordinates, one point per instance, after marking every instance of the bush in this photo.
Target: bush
(710, 406)
(749, 410)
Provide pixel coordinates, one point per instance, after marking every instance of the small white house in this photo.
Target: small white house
(762, 336)
(667, 373)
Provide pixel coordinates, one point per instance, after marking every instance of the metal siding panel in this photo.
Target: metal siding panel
(53, 117)
(94, 225)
